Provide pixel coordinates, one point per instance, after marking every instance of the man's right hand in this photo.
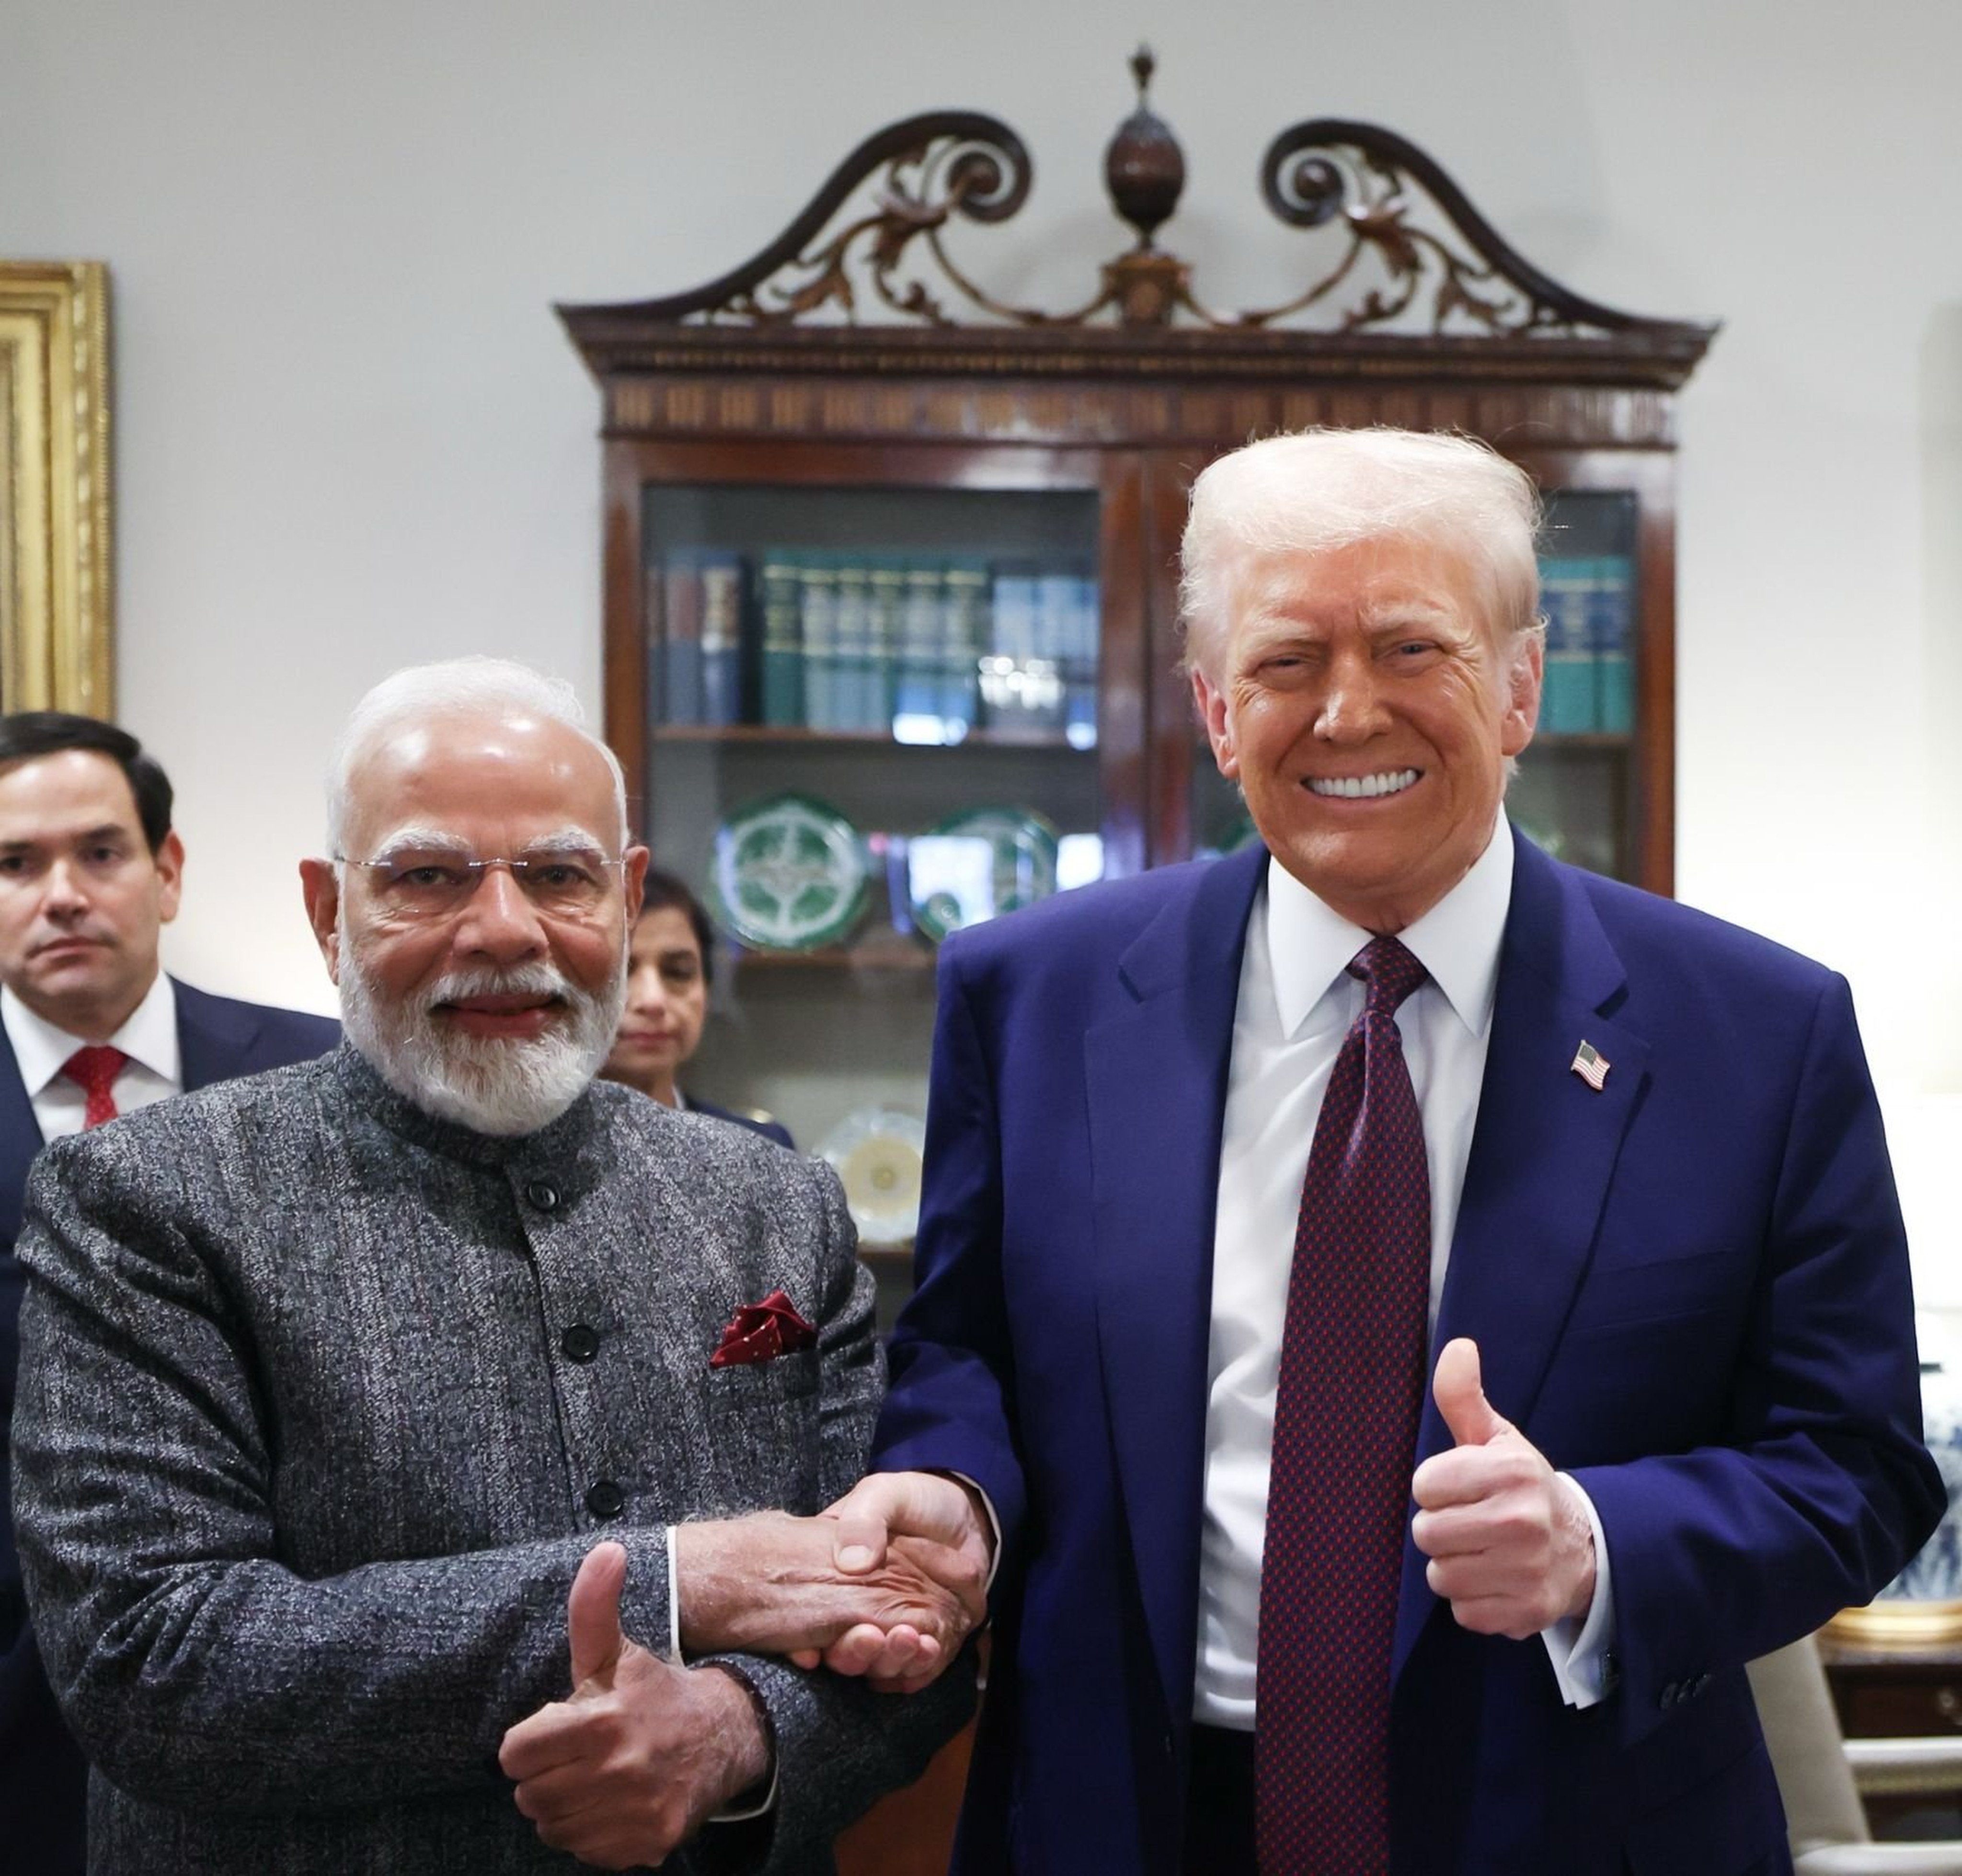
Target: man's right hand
(771, 1584)
(940, 1521)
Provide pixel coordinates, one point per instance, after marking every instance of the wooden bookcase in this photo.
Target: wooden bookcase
(826, 393)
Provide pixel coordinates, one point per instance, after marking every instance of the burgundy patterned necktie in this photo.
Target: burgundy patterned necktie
(94, 1070)
(1345, 1434)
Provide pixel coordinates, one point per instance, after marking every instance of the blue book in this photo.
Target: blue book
(721, 639)
(963, 639)
(1567, 702)
(682, 619)
(916, 660)
(1611, 633)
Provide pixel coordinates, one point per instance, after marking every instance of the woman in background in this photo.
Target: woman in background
(668, 968)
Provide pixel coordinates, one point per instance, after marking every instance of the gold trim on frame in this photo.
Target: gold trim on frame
(57, 568)
(1898, 1622)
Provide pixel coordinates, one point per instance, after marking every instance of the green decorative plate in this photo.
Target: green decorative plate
(978, 864)
(789, 874)
(877, 1153)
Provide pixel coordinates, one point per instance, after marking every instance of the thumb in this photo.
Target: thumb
(865, 1515)
(1461, 1396)
(593, 1614)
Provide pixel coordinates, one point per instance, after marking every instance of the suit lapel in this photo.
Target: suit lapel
(1156, 1075)
(1542, 1155)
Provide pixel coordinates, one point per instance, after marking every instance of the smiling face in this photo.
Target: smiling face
(1359, 698)
(667, 1002)
(497, 1010)
(82, 895)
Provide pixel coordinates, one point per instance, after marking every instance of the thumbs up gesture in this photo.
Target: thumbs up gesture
(629, 1765)
(1510, 1545)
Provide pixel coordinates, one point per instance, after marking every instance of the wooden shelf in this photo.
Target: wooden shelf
(886, 1256)
(771, 736)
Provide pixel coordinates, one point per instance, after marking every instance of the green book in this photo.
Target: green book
(781, 663)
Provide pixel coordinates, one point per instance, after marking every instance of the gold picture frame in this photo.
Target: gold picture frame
(57, 564)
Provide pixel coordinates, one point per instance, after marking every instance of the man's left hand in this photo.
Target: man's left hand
(642, 1752)
(1508, 1538)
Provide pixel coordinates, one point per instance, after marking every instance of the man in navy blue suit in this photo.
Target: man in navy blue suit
(1651, 1393)
(90, 869)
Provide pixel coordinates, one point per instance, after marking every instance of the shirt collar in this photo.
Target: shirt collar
(149, 1036)
(1457, 941)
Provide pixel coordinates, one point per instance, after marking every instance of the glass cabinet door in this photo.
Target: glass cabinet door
(872, 717)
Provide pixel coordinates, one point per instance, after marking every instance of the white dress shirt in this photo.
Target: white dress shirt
(1296, 1004)
(148, 1037)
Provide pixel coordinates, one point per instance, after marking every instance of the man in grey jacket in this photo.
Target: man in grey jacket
(333, 1377)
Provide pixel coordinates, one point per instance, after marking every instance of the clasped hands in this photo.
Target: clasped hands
(887, 1584)
(642, 1750)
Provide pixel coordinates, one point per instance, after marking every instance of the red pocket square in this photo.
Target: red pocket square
(761, 1331)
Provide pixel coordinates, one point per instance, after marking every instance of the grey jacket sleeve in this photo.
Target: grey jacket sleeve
(839, 1745)
(194, 1665)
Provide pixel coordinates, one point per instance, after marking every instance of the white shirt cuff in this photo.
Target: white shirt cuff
(674, 1602)
(1580, 1648)
(994, 1528)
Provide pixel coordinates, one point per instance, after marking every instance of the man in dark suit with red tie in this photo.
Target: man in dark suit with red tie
(90, 870)
(1411, 1318)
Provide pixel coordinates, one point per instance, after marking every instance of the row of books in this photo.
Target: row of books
(926, 648)
(1590, 604)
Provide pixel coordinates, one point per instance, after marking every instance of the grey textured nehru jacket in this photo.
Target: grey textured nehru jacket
(311, 1439)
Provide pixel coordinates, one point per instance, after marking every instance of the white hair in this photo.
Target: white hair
(1318, 490)
(454, 687)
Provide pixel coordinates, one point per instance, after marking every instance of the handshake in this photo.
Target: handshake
(887, 1584)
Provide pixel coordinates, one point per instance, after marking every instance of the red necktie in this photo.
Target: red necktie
(94, 1070)
(1345, 1435)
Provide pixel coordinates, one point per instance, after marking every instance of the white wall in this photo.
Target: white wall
(351, 433)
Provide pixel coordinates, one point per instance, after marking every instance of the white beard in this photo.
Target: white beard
(502, 1085)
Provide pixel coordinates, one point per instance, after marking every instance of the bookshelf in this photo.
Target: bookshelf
(854, 408)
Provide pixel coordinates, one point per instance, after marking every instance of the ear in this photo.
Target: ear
(170, 877)
(1211, 705)
(320, 886)
(633, 872)
(1524, 670)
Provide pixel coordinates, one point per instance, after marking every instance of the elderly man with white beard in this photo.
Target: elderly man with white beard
(335, 1379)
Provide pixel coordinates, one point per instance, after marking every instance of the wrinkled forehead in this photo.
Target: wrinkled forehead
(499, 783)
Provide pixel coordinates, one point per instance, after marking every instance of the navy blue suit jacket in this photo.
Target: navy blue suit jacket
(1690, 1288)
(43, 1777)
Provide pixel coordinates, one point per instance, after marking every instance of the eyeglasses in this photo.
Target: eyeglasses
(421, 884)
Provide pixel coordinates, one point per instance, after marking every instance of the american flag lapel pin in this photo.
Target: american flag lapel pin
(1591, 1066)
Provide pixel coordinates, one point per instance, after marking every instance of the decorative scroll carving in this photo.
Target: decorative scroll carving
(1386, 196)
(934, 166)
(1406, 252)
